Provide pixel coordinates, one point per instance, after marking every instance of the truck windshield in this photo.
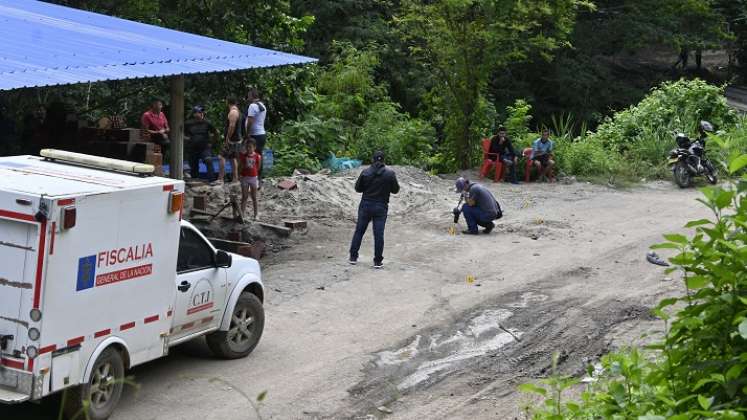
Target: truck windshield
(194, 253)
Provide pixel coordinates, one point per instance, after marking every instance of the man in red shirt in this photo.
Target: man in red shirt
(249, 163)
(155, 123)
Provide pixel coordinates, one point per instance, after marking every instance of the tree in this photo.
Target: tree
(464, 41)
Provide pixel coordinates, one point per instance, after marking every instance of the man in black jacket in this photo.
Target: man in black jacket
(376, 183)
(501, 144)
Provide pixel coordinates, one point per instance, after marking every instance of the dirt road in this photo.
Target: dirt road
(564, 271)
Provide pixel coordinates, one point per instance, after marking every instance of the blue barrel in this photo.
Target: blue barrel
(268, 159)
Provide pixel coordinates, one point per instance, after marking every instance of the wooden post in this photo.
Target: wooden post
(176, 121)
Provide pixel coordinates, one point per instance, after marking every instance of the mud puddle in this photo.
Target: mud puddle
(434, 356)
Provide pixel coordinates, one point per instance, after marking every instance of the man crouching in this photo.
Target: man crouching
(480, 207)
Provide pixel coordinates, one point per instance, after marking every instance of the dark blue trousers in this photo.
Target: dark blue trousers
(370, 211)
(476, 216)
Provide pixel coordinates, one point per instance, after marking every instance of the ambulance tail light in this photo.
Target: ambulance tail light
(176, 201)
(69, 214)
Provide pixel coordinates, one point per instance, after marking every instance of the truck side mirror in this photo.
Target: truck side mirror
(223, 259)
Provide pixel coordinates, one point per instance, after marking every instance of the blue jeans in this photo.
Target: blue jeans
(476, 216)
(370, 211)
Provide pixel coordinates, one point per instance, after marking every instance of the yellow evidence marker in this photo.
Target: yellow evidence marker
(452, 230)
(470, 279)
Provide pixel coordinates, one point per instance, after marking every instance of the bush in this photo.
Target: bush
(635, 143)
(350, 115)
(406, 141)
(645, 133)
(700, 368)
(586, 157)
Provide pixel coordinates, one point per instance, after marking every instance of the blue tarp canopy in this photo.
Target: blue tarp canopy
(45, 45)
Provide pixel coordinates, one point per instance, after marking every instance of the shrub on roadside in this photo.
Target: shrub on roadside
(645, 132)
(699, 370)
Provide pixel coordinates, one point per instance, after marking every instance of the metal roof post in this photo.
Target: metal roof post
(177, 127)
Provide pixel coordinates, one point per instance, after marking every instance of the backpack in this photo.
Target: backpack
(500, 211)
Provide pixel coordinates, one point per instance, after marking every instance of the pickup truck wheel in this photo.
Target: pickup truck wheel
(247, 324)
(97, 399)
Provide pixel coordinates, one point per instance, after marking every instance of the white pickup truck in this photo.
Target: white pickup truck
(99, 273)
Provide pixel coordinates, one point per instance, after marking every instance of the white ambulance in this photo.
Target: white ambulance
(99, 273)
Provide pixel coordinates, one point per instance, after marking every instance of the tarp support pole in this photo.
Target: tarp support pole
(177, 127)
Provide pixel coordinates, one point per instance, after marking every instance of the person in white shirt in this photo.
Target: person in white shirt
(255, 122)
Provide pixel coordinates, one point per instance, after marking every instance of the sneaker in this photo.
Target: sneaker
(378, 266)
(469, 232)
(490, 228)
(352, 262)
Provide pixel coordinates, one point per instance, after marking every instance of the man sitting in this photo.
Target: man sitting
(501, 144)
(480, 207)
(542, 156)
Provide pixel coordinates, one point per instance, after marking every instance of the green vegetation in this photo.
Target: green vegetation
(699, 369)
(634, 143)
(350, 115)
(426, 80)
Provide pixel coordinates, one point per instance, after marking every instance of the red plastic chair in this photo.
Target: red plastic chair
(527, 153)
(487, 164)
(530, 164)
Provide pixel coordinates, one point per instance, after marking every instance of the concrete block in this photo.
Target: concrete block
(199, 202)
(295, 224)
(279, 230)
(287, 184)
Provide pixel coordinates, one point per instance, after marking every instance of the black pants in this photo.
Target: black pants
(369, 211)
(201, 153)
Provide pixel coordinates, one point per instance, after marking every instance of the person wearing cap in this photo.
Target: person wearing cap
(480, 207)
(197, 133)
(376, 183)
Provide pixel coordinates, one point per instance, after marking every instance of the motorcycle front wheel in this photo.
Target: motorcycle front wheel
(711, 173)
(681, 175)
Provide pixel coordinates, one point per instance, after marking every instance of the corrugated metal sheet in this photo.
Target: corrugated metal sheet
(44, 45)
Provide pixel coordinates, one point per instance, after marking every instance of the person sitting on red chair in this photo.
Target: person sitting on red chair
(501, 145)
(542, 156)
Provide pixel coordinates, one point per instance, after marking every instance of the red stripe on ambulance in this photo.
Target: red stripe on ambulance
(127, 326)
(75, 341)
(206, 320)
(102, 333)
(48, 349)
(15, 364)
(40, 263)
(66, 202)
(122, 275)
(19, 216)
(168, 188)
(202, 307)
(150, 319)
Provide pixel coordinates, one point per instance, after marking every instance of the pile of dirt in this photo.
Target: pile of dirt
(324, 196)
(333, 196)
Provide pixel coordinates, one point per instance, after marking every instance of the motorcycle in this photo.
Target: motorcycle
(689, 159)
